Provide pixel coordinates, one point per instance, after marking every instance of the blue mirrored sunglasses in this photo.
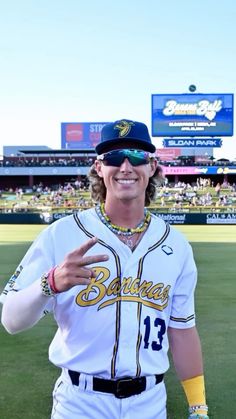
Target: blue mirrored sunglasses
(116, 157)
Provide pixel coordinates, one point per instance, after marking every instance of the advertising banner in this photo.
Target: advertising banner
(198, 219)
(171, 218)
(168, 154)
(199, 170)
(81, 135)
(184, 115)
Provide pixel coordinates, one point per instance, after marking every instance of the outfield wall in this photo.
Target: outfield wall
(171, 218)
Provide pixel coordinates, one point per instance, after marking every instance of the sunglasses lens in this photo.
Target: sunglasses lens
(135, 157)
(138, 157)
(113, 158)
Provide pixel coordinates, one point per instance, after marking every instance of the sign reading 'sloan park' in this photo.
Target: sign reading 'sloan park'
(192, 142)
(184, 115)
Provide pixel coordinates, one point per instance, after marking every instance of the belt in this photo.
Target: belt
(121, 388)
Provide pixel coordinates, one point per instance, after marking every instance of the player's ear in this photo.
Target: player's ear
(98, 167)
(153, 166)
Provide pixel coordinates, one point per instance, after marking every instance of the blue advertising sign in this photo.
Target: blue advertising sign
(183, 115)
(81, 135)
(192, 142)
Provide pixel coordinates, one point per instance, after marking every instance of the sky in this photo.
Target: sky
(101, 60)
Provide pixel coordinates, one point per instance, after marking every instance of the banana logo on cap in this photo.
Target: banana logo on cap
(124, 127)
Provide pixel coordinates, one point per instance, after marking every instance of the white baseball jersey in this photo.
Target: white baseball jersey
(117, 325)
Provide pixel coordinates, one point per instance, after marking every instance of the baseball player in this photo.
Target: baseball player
(120, 283)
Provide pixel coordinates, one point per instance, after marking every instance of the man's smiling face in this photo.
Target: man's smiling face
(126, 182)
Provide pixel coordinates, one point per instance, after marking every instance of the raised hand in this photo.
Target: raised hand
(74, 269)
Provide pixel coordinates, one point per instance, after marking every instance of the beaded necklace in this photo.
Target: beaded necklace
(123, 231)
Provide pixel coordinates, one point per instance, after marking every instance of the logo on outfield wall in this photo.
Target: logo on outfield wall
(221, 219)
(173, 218)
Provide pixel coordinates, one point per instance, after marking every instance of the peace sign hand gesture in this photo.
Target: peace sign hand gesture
(74, 269)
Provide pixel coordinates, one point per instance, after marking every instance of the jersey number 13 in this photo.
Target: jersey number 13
(160, 326)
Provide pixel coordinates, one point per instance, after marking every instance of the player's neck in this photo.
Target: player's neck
(124, 213)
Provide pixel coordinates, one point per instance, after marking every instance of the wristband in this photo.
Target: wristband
(51, 280)
(194, 389)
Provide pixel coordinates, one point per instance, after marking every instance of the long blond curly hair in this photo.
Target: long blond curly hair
(98, 188)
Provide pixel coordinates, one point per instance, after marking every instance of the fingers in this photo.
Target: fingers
(67, 277)
(85, 273)
(88, 260)
(74, 271)
(86, 246)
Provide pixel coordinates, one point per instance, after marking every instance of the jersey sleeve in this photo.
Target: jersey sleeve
(183, 312)
(38, 259)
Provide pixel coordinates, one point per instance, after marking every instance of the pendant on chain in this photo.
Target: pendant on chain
(128, 241)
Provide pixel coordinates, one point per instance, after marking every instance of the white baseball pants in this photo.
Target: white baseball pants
(81, 402)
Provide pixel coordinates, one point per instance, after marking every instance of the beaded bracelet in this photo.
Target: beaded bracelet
(45, 287)
(193, 409)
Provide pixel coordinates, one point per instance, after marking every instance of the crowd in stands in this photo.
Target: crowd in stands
(73, 195)
(44, 198)
(83, 160)
(47, 161)
(202, 194)
(190, 161)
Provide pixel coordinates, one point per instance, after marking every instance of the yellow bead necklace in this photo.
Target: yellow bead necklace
(123, 231)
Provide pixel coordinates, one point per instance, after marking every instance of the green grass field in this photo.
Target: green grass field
(27, 377)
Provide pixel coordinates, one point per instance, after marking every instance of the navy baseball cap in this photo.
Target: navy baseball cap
(125, 130)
